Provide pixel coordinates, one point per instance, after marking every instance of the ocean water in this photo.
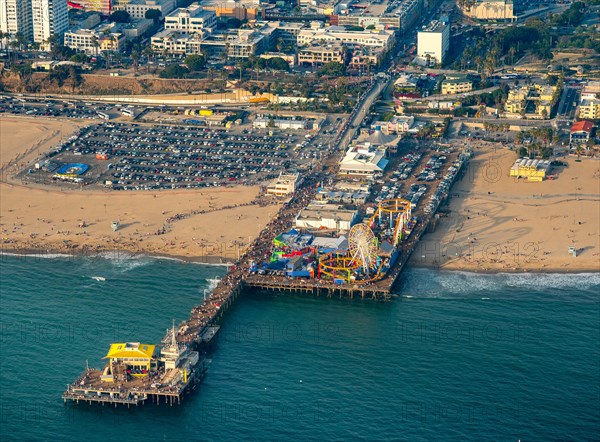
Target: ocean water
(453, 357)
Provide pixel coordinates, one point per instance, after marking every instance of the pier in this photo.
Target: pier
(182, 362)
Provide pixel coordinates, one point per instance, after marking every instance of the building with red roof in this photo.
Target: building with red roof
(581, 132)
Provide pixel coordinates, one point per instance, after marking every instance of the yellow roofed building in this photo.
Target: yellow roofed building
(128, 358)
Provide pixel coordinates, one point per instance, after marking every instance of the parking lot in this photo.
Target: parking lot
(50, 108)
(125, 156)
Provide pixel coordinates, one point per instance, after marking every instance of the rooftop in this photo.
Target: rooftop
(130, 350)
(582, 126)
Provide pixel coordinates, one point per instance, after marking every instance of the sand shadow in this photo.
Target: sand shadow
(582, 250)
(124, 226)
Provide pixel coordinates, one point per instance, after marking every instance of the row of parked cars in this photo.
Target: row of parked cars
(444, 186)
(168, 156)
(432, 168)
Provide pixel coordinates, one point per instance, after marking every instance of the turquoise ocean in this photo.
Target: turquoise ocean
(453, 357)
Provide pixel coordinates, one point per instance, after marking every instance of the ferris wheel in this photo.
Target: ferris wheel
(363, 246)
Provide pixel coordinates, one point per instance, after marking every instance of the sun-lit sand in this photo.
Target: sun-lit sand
(498, 223)
(23, 139)
(211, 222)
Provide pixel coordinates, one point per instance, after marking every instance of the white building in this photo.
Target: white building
(49, 17)
(433, 42)
(138, 8)
(91, 41)
(176, 42)
(326, 216)
(283, 185)
(280, 123)
(364, 160)
(338, 35)
(15, 16)
(191, 19)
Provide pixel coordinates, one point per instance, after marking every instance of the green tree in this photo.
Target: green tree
(174, 71)
(195, 62)
(75, 77)
(79, 58)
(333, 69)
(279, 64)
(119, 17)
(153, 14)
(233, 23)
(135, 58)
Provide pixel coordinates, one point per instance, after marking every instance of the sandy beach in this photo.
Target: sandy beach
(191, 224)
(498, 223)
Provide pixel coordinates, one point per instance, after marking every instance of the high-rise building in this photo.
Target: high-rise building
(433, 42)
(49, 17)
(15, 16)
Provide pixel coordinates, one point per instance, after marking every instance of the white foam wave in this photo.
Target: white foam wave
(442, 283)
(125, 261)
(207, 264)
(38, 255)
(98, 278)
(212, 283)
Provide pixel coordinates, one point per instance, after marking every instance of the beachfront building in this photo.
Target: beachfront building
(433, 42)
(520, 98)
(456, 84)
(323, 216)
(532, 170)
(176, 42)
(489, 10)
(589, 109)
(191, 19)
(105, 37)
(581, 131)
(15, 16)
(49, 17)
(364, 160)
(128, 358)
(284, 184)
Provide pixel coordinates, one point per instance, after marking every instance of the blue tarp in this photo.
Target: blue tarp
(73, 169)
(299, 274)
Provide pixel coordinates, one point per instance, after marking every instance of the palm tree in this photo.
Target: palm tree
(2, 37)
(135, 57)
(511, 53)
(14, 44)
(21, 40)
(95, 44)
